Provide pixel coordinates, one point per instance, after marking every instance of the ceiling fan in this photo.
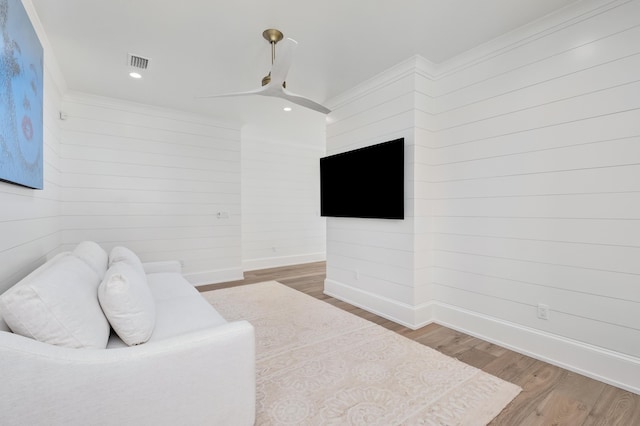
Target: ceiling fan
(273, 84)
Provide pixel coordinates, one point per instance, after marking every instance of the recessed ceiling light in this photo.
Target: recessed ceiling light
(135, 75)
(287, 109)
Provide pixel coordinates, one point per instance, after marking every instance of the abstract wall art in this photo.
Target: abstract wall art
(21, 70)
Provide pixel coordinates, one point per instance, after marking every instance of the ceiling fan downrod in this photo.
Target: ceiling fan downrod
(273, 36)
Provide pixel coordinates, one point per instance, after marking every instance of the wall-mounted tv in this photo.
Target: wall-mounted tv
(365, 183)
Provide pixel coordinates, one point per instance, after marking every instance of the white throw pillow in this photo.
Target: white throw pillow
(123, 254)
(127, 302)
(58, 304)
(94, 255)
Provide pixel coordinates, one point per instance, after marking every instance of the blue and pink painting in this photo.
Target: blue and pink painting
(21, 69)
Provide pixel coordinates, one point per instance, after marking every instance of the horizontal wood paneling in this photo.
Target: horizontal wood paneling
(344, 272)
(532, 181)
(390, 273)
(602, 232)
(373, 258)
(281, 223)
(376, 109)
(612, 71)
(427, 121)
(400, 124)
(616, 312)
(544, 41)
(371, 253)
(576, 279)
(617, 99)
(153, 180)
(607, 182)
(604, 154)
(151, 196)
(104, 116)
(101, 167)
(581, 329)
(601, 257)
(219, 161)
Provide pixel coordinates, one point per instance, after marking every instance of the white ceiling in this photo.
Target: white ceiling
(200, 47)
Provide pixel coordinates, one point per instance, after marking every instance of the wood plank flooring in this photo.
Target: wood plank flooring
(550, 395)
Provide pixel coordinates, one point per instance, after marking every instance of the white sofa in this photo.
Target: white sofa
(190, 367)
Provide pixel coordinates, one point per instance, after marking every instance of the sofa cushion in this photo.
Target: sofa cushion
(170, 286)
(94, 255)
(58, 304)
(183, 315)
(123, 254)
(128, 303)
(180, 308)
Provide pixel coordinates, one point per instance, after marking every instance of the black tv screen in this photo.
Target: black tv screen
(366, 182)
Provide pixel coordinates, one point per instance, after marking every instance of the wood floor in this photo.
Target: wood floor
(550, 395)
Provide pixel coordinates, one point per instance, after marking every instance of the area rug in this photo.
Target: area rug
(319, 365)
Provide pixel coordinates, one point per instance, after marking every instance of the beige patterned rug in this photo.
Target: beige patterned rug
(319, 365)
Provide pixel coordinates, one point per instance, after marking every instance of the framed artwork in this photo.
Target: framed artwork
(21, 70)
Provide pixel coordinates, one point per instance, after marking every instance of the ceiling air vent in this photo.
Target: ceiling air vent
(136, 61)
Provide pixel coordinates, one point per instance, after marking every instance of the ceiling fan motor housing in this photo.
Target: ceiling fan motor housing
(267, 79)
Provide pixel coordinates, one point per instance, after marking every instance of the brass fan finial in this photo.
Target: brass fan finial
(272, 35)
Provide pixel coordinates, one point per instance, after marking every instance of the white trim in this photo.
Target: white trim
(89, 99)
(274, 262)
(397, 72)
(419, 65)
(413, 317)
(597, 363)
(215, 276)
(541, 27)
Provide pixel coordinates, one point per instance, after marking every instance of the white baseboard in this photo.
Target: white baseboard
(606, 366)
(216, 276)
(597, 363)
(412, 317)
(274, 262)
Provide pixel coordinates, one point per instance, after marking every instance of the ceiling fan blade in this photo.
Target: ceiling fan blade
(283, 61)
(228, 95)
(277, 92)
(302, 101)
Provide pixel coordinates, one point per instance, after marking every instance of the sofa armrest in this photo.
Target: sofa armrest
(202, 377)
(3, 325)
(162, 266)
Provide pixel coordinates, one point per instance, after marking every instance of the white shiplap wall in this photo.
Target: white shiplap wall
(525, 191)
(534, 185)
(370, 262)
(281, 223)
(153, 180)
(29, 225)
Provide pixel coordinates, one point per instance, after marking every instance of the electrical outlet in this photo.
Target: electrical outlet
(357, 273)
(543, 311)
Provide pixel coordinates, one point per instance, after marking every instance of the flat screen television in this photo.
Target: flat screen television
(365, 183)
